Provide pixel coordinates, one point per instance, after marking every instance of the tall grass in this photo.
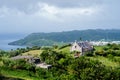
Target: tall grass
(22, 74)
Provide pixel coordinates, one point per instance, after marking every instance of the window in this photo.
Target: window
(75, 46)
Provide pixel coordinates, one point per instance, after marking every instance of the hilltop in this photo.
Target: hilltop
(48, 39)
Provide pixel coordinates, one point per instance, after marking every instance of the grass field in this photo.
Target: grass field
(1, 63)
(103, 60)
(98, 48)
(106, 61)
(65, 50)
(35, 53)
(22, 74)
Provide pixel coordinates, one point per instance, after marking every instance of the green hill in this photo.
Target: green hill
(47, 39)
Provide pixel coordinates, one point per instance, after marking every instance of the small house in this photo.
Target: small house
(80, 48)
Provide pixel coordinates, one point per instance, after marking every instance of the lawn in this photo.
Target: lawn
(1, 63)
(26, 75)
(98, 48)
(103, 60)
(21, 74)
(106, 61)
(34, 53)
(65, 50)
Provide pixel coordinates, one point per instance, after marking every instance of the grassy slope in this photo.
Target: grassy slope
(1, 63)
(34, 53)
(21, 74)
(65, 50)
(106, 61)
(18, 74)
(102, 59)
(24, 74)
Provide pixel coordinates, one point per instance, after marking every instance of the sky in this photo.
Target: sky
(28, 16)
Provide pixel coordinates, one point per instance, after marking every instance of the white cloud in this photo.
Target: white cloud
(51, 12)
(46, 16)
(5, 11)
(56, 13)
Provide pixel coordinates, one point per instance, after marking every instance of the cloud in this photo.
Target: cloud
(21, 4)
(49, 9)
(57, 15)
(5, 11)
(72, 3)
(68, 14)
(50, 12)
(41, 16)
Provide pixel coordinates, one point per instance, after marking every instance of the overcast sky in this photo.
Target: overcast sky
(28, 16)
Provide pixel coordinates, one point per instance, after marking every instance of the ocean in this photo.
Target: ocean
(7, 38)
(4, 45)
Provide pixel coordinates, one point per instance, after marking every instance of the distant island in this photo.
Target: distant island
(48, 39)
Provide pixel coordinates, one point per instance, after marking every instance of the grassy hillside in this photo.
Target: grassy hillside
(21, 74)
(106, 61)
(63, 64)
(47, 39)
(34, 53)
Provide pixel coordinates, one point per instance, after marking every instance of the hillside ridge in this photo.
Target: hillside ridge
(48, 39)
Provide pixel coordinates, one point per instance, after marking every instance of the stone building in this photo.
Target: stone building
(81, 47)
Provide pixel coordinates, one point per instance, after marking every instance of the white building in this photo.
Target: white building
(81, 47)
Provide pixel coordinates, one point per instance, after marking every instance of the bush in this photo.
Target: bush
(91, 53)
(105, 48)
(67, 45)
(101, 53)
(19, 64)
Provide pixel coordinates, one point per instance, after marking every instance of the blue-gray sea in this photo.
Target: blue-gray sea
(4, 45)
(7, 38)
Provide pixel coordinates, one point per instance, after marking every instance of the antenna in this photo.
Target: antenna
(80, 38)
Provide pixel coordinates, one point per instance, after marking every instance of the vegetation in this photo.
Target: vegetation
(48, 39)
(110, 49)
(96, 65)
(34, 53)
(20, 51)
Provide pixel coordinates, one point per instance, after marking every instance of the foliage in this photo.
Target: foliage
(89, 53)
(113, 49)
(64, 46)
(17, 74)
(51, 56)
(47, 39)
(3, 53)
(65, 66)
(19, 64)
(18, 51)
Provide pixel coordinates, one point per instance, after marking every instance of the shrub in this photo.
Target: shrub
(91, 53)
(65, 46)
